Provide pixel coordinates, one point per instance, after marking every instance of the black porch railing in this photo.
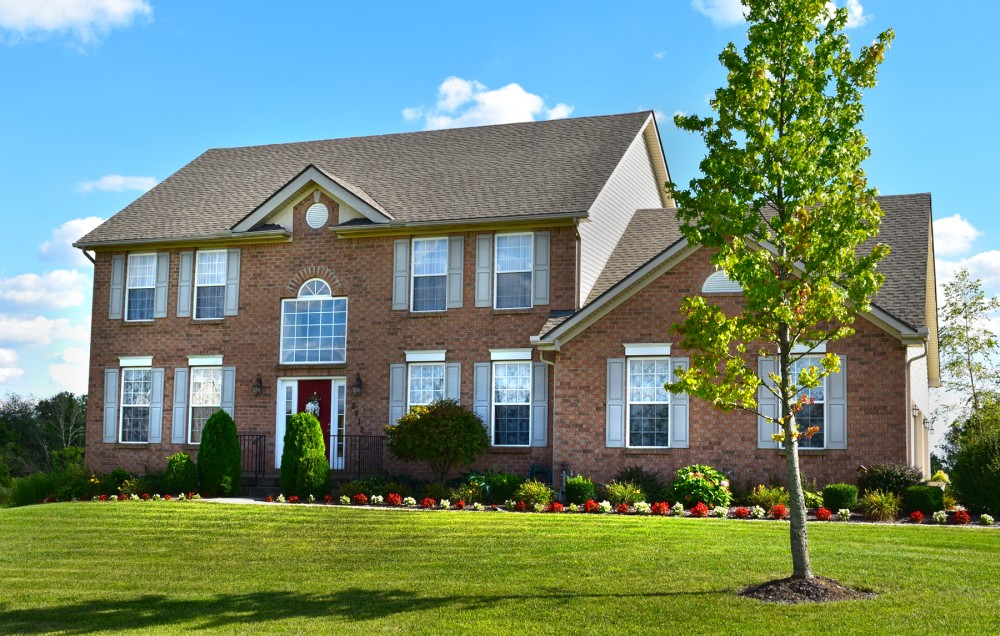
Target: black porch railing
(362, 456)
(252, 452)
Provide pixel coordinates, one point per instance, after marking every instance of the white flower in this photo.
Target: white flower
(409, 501)
(940, 517)
(844, 514)
(986, 520)
(757, 512)
(720, 511)
(95, 498)
(539, 507)
(477, 506)
(574, 508)
(133, 497)
(678, 508)
(157, 498)
(311, 499)
(642, 508)
(604, 506)
(445, 504)
(376, 500)
(181, 497)
(280, 498)
(196, 496)
(510, 504)
(345, 500)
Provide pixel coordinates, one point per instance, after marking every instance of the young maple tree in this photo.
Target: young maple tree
(785, 204)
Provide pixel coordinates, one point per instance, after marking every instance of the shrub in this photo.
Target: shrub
(768, 497)
(701, 483)
(741, 512)
(890, 477)
(961, 518)
(649, 482)
(219, 463)
(823, 514)
(497, 487)
(113, 480)
(534, 492)
(940, 476)
(303, 434)
(926, 499)
(699, 510)
(975, 476)
(879, 505)
(779, 511)
(916, 517)
(401, 488)
(436, 491)
(67, 458)
(33, 489)
(443, 434)
(813, 499)
(837, 496)
(182, 473)
(469, 492)
(579, 489)
(623, 493)
(313, 475)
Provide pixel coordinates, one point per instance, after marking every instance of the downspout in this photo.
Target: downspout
(911, 440)
(552, 441)
(89, 257)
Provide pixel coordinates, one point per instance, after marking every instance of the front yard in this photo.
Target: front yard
(172, 567)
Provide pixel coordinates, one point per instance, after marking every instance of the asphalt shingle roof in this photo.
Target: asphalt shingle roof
(509, 170)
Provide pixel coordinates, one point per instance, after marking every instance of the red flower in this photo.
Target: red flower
(190, 495)
(328, 499)
(102, 498)
(394, 499)
(168, 497)
(493, 507)
(360, 499)
(428, 502)
(622, 508)
(293, 499)
(916, 516)
(521, 506)
(741, 513)
(823, 514)
(591, 506)
(460, 505)
(269, 499)
(779, 511)
(122, 497)
(700, 510)
(555, 506)
(660, 508)
(961, 518)
(145, 496)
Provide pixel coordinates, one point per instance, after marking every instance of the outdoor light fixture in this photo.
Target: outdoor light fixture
(357, 386)
(915, 410)
(257, 387)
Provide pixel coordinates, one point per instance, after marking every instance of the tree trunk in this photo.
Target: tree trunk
(798, 533)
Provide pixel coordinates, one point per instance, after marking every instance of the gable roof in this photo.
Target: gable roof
(502, 171)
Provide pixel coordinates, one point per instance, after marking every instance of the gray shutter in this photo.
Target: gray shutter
(232, 282)
(836, 407)
(615, 410)
(540, 278)
(453, 381)
(456, 267)
(484, 270)
(481, 392)
(767, 403)
(229, 390)
(539, 404)
(401, 274)
(117, 302)
(397, 392)
(680, 405)
(178, 425)
(110, 406)
(156, 408)
(162, 278)
(185, 283)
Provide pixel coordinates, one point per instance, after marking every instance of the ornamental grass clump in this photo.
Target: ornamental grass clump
(648, 481)
(700, 483)
(767, 497)
(620, 492)
(579, 489)
(880, 505)
(534, 492)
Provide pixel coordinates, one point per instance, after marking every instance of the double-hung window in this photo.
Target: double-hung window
(425, 383)
(314, 326)
(514, 263)
(430, 274)
(206, 399)
(140, 290)
(813, 414)
(511, 403)
(137, 390)
(210, 284)
(648, 402)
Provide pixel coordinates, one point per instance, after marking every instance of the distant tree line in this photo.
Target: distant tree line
(41, 435)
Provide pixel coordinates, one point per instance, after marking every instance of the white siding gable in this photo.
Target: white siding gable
(919, 391)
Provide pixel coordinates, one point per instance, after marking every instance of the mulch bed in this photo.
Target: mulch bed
(815, 590)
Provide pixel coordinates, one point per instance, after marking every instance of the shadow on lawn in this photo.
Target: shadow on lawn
(246, 609)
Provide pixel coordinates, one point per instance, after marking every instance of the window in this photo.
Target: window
(425, 385)
(811, 414)
(206, 399)
(210, 285)
(430, 274)
(648, 402)
(314, 326)
(137, 389)
(511, 403)
(514, 260)
(140, 290)
(720, 283)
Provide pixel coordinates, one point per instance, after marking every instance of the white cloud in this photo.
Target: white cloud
(73, 371)
(954, 235)
(659, 55)
(721, 12)
(985, 265)
(9, 370)
(59, 248)
(116, 183)
(464, 102)
(40, 331)
(855, 13)
(86, 19)
(58, 289)
(660, 116)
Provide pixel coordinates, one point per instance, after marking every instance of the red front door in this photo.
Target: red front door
(321, 390)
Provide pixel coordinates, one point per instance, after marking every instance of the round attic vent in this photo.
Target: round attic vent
(317, 215)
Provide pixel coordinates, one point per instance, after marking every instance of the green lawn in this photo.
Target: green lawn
(173, 567)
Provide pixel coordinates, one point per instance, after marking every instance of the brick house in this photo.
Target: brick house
(530, 271)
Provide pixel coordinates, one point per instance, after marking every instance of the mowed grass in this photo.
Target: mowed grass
(85, 568)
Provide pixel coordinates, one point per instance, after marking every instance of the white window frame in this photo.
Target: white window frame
(191, 405)
(414, 275)
(814, 360)
(494, 403)
(225, 265)
(628, 398)
(409, 378)
(497, 272)
(128, 289)
(122, 405)
(281, 334)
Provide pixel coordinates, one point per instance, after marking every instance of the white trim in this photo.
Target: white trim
(494, 403)
(805, 347)
(128, 266)
(121, 402)
(497, 272)
(205, 361)
(195, 285)
(281, 338)
(653, 349)
(628, 398)
(135, 361)
(718, 282)
(509, 355)
(413, 271)
(298, 293)
(279, 413)
(431, 355)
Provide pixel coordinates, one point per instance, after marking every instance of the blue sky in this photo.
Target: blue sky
(103, 98)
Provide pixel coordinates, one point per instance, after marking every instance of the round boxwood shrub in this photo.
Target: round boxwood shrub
(182, 474)
(444, 434)
(975, 476)
(894, 477)
(313, 475)
(533, 492)
(579, 489)
(303, 435)
(700, 483)
(926, 499)
(840, 496)
(220, 465)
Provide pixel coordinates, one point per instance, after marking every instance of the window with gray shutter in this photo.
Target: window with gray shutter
(836, 404)
(615, 408)
(233, 282)
(117, 300)
(540, 280)
(156, 407)
(401, 274)
(397, 392)
(456, 269)
(680, 409)
(178, 421)
(539, 404)
(185, 284)
(111, 388)
(481, 392)
(229, 391)
(453, 381)
(767, 403)
(162, 280)
(484, 270)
